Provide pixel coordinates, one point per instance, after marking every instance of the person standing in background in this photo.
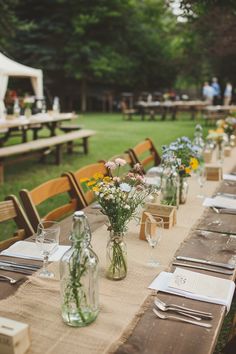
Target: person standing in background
(208, 93)
(217, 94)
(227, 94)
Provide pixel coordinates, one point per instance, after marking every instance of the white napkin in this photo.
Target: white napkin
(220, 202)
(29, 250)
(195, 286)
(228, 177)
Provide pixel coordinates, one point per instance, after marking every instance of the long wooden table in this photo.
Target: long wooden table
(35, 122)
(150, 334)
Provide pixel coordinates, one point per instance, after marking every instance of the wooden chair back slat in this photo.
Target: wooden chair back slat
(45, 191)
(7, 210)
(88, 172)
(145, 153)
(60, 211)
(50, 189)
(10, 209)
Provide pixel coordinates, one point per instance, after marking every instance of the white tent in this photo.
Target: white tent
(8, 68)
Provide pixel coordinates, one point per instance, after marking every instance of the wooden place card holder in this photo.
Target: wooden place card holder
(207, 156)
(166, 212)
(14, 337)
(227, 151)
(214, 173)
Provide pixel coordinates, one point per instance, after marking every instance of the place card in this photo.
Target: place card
(14, 337)
(220, 202)
(229, 177)
(201, 284)
(163, 281)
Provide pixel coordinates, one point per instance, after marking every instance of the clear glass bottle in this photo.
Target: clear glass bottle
(198, 137)
(170, 182)
(16, 108)
(79, 276)
(56, 105)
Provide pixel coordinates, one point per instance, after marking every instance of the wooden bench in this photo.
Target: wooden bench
(42, 147)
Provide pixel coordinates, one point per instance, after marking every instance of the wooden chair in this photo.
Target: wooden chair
(10, 209)
(88, 172)
(127, 113)
(62, 189)
(145, 154)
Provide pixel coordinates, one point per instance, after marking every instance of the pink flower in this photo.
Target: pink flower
(116, 179)
(137, 167)
(120, 162)
(110, 165)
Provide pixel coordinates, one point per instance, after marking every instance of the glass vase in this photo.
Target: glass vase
(79, 279)
(170, 185)
(183, 190)
(116, 253)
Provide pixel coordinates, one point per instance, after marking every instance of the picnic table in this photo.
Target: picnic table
(36, 122)
(126, 323)
(169, 108)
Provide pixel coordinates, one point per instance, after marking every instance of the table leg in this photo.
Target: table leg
(85, 145)
(58, 155)
(1, 172)
(70, 147)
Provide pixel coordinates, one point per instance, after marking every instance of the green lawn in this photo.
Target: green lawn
(114, 135)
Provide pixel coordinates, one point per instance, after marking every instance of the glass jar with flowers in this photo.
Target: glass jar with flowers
(187, 157)
(119, 197)
(229, 127)
(220, 138)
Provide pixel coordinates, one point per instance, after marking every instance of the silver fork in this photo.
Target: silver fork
(181, 312)
(181, 319)
(207, 315)
(11, 280)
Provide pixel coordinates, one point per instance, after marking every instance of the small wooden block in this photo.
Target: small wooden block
(214, 173)
(207, 156)
(227, 151)
(14, 337)
(167, 212)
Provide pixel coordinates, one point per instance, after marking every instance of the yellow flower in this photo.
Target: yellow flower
(96, 189)
(91, 183)
(107, 179)
(98, 176)
(194, 163)
(187, 170)
(84, 180)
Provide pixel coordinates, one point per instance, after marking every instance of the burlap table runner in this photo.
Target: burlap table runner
(37, 302)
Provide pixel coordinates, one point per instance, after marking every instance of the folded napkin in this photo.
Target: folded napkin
(29, 250)
(195, 286)
(220, 202)
(228, 177)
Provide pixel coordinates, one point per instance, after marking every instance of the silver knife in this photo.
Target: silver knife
(18, 266)
(204, 261)
(27, 265)
(221, 271)
(16, 270)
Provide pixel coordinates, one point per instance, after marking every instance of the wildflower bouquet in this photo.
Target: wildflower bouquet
(228, 125)
(119, 196)
(187, 155)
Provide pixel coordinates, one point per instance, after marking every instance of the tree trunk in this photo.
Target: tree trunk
(83, 95)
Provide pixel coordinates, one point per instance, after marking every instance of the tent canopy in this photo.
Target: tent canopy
(8, 68)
